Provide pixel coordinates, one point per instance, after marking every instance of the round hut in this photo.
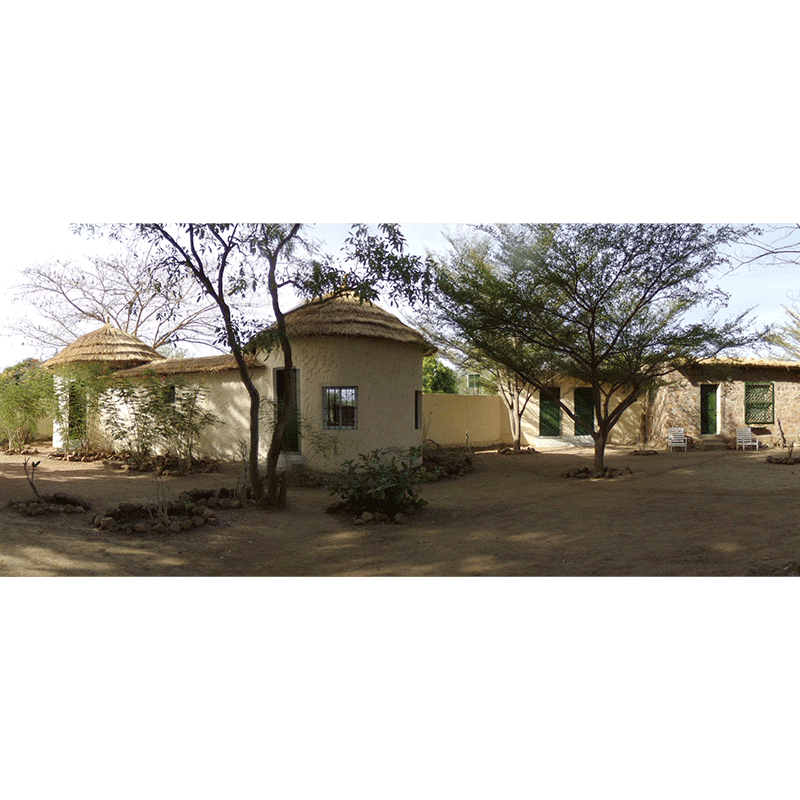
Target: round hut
(106, 349)
(358, 380)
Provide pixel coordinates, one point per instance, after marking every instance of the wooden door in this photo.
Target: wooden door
(550, 412)
(584, 410)
(708, 408)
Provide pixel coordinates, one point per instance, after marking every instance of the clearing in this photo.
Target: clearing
(695, 513)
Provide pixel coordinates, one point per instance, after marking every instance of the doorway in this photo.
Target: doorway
(550, 411)
(708, 409)
(291, 433)
(584, 410)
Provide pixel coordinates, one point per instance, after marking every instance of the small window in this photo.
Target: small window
(759, 403)
(170, 394)
(473, 384)
(417, 410)
(340, 407)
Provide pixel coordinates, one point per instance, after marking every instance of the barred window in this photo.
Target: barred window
(339, 408)
(759, 403)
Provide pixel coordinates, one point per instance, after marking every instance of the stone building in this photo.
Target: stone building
(710, 400)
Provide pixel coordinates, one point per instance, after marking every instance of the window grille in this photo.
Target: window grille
(340, 407)
(759, 403)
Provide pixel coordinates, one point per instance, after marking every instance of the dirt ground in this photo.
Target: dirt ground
(695, 513)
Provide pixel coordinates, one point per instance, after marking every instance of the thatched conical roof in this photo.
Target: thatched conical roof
(107, 346)
(346, 316)
(176, 366)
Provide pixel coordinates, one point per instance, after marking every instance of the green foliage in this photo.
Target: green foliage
(78, 391)
(438, 378)
(787, 336)
(26, 396)
(615, 306)
(385, 481)
(148, 416)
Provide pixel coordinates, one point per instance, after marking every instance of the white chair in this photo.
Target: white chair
(675, 438)
(745, 438)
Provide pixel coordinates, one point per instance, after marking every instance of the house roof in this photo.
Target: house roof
(345, 315)
(752, 362)
(107, 345)
(175, 366)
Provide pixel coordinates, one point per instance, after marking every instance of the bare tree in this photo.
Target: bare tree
(70, 298)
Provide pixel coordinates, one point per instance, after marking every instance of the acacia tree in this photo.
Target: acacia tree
(229, 260)
(68, 296)
(608, 305)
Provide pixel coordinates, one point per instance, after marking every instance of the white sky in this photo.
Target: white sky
(766, 289)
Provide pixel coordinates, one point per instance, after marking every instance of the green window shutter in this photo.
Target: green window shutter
(759, 403)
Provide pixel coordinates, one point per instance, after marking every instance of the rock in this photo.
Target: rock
(381, 517)
(198, 522)
(141, 527)
(108, 524)
(175, 527)
(185, 524)
(212, 502)
(68, 509)
(399, 518)
(224, 502)
(359, 521)
(367, 516)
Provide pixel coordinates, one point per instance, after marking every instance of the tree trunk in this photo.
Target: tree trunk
(276, 493)
(600, 439)
(516, 423)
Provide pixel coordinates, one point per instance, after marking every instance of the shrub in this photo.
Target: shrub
(385, 480)
(26, 396)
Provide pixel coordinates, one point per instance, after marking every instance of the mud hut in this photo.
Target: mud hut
(107, 349)
(358, 385)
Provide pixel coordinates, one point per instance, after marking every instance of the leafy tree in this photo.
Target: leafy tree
(26, 397)
(71, 297)
(229, 260)
(605, 304)
(438, 378)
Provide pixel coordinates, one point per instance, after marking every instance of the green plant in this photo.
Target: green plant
(385, 480)
(26, 396)
(79, 390)
(147, 416)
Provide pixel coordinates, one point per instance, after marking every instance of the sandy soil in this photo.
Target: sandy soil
(695, 513)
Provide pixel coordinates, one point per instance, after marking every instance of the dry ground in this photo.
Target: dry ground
(695, 513)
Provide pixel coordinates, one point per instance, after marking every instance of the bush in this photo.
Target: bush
(384, 481)
(26, 396)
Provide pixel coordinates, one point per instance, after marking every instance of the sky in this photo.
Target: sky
(764, 289)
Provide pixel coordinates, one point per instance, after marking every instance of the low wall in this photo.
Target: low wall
(447, 418)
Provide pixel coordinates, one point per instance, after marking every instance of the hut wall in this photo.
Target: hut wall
(386, 374)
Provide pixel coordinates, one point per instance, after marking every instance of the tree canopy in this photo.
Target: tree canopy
(438, 378)
(616, 307)
(70, 298)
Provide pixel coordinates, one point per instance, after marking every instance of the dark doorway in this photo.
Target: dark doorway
(291, 433)
(584, 411)
(708, 408)
(550, 412)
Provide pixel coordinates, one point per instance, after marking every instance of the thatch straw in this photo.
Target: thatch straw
(775, 363)
(108, 346)
(176, 366)
(346, 316)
